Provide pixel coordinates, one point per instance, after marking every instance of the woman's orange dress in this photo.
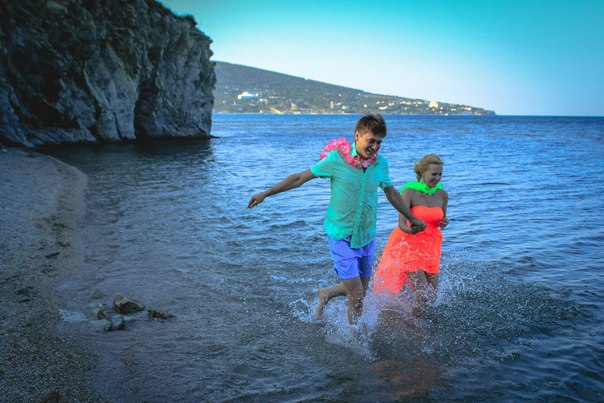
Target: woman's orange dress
(405, 253)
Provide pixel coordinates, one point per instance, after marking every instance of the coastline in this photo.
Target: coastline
(42, 202)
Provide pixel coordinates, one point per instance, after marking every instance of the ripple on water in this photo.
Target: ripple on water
(520, 280)
(482, 319)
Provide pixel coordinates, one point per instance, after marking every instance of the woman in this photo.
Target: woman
(410, 256)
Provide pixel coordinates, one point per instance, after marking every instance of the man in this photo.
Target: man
(350, 221)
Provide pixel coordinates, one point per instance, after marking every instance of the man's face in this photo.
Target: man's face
(367, 144)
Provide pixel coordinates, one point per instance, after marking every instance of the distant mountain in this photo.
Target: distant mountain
(243, 89)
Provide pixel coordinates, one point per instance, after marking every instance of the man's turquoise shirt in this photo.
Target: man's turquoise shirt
(352, 210)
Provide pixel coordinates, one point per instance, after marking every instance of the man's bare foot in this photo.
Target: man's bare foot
(323, 300)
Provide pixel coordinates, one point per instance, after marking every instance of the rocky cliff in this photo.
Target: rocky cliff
(97, 71)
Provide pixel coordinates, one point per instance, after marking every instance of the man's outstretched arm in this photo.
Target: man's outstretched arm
(291, 182)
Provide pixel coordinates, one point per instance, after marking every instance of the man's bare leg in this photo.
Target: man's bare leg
(356, 293)
(326, 294)
(365, 282)
(339, 290)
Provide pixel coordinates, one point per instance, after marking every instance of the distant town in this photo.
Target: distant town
(242, 89)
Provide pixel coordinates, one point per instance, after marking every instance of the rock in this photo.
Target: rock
(122, 304)
(77, 71)
(110, 324)
(153, 314)
(96, 294)
(103, 324)
(99, 312)
(117, 323)
(128, 318)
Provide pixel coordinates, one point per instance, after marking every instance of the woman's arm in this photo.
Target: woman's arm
(445, 221)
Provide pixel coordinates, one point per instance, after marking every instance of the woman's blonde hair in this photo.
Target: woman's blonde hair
(421, 165)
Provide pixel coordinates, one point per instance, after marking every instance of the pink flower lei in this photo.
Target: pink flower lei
(344, 147)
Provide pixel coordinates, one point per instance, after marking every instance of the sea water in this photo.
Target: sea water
(519, 315)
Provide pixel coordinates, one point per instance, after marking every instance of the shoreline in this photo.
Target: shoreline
(42, 203)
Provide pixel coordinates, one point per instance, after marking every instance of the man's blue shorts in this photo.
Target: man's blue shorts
(351, 262)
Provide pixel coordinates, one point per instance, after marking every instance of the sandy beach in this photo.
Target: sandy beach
(42, 201)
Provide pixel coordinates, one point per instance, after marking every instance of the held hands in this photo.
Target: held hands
(417, 225)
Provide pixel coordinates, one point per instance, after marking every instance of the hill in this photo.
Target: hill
(243, 89)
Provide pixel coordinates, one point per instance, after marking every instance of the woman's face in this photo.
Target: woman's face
(432, 175)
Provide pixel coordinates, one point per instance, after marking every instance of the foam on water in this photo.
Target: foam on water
(72, 317)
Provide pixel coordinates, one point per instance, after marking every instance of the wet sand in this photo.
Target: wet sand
(41, 203)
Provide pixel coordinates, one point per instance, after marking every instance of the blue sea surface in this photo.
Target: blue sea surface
(519, 315)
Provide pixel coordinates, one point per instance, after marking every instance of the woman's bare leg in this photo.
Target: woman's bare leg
(425, 293)
(433, 287)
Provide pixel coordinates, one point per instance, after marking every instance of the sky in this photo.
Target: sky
(515, 57)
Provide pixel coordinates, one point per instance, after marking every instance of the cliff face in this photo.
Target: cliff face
(91, 71)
